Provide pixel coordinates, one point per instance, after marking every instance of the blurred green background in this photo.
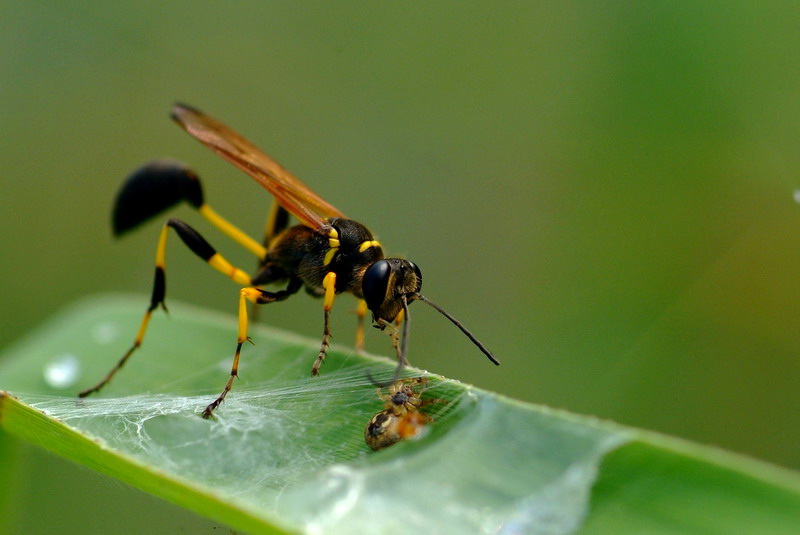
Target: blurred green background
(604, 193)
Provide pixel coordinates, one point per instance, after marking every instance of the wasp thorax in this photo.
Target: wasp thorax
(385, 282)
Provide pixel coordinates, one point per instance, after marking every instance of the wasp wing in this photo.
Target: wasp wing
(289, 191)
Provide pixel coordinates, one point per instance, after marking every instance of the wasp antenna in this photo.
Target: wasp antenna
(458, 324)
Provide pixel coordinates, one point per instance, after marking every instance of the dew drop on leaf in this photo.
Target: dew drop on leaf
(62, 371)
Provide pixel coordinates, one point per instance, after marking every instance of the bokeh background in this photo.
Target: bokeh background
(606, 193)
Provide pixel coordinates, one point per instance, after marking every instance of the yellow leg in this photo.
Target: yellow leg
(232, 231)
(256, 296)
(157, 298)
(201, 248)
(277, 222)
(238, 276)
(245, 294)
(123, 360)
(329, 284)
(361, 312)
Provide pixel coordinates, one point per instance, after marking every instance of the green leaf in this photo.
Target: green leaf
(286, 452)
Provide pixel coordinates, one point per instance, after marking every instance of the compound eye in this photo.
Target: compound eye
(375, 283)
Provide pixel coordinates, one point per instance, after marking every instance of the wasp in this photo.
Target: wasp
(326, 253)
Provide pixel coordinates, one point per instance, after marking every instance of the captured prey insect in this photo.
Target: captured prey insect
(401, 417)
(326, 253)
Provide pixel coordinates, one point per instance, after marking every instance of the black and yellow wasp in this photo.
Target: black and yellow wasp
(327, 254)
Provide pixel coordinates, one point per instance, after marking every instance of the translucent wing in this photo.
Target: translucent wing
(292, 194)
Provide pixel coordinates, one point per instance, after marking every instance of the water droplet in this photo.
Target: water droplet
(797, 195)
(62, 372)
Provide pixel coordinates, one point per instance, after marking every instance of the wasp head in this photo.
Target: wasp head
(386, 282)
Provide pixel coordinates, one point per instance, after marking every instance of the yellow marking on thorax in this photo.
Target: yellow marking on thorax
(367, 244)
(333, 243)
(329, 256)
(333, 238)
